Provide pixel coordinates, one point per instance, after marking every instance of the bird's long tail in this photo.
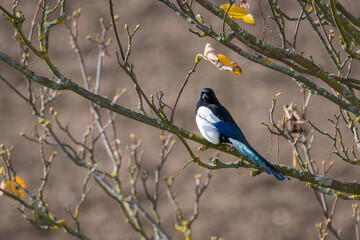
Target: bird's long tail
(257, 159)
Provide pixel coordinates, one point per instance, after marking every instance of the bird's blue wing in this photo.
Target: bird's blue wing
(237, 138)
(230, 130)
(249, 152)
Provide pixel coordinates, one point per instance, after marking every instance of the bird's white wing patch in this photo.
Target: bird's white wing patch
(204, 120)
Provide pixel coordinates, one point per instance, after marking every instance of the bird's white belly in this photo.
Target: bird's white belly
(208, 130)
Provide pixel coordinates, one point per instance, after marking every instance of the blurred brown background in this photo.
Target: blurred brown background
(235, 206)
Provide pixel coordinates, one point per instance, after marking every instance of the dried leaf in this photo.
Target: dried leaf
(243, 4)
(239, 13)
(234, 67)
(11, 187)
(209, 53)
(297, 123)
(220, 61)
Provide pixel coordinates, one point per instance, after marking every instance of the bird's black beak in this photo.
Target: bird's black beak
(205, 96)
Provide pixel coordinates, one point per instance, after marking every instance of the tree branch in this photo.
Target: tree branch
(351, 188)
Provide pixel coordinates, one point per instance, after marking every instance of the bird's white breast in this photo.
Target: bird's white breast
(204, 120)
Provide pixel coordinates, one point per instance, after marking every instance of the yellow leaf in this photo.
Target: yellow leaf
(235, 69)
(238, 12)
(11, 187)
(220, 61)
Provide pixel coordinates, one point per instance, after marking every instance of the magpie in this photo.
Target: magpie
(217, 125)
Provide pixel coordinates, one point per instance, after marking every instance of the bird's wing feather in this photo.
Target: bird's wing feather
(249, 152)
(231, 130)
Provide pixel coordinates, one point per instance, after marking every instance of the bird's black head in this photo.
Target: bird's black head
(207, 96)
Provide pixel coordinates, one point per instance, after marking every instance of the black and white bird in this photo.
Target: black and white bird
(217, 125)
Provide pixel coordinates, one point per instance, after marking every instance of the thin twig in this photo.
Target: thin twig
(297, 28)
(231, 2)
(182, 89)
(115, 30)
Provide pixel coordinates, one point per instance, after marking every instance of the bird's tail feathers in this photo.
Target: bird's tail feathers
(257, 159)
